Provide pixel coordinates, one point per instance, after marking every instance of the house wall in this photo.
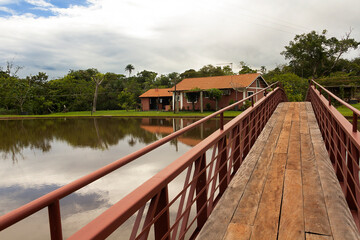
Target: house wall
(145, 104)
(255, 87)
(223, 102)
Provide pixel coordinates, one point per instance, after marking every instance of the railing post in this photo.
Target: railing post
(201, 192)
(55, 221)
(222, 171)
(252, 101)
(221, 121)
(329, 99)
(162, 224)
(354, 122)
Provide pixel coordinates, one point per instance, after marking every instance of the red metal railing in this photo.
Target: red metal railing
(205, 171)
(342, 141)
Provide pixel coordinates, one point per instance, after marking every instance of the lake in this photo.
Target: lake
(38, 156)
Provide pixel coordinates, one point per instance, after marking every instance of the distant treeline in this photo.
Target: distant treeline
(310, 55)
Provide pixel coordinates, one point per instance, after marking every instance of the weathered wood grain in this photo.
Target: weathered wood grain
(238, 231)
(292, 219)
(315, 212)
(267, 217)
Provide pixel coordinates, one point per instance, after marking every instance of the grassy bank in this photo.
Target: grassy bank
(347, 112)
(122, 113)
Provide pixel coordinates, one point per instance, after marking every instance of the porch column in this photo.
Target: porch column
(201, 102)
(181, 101)
(173, 101)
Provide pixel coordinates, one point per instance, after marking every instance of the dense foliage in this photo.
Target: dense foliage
(311, 55)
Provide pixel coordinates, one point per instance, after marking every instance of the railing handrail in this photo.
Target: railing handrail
(342, 142)
(354, 110)
(46, 200)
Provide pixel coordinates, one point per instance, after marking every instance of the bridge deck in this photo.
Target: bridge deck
(286, 188)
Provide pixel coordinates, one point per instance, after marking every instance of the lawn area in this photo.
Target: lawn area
(123, 113)
(347, 112)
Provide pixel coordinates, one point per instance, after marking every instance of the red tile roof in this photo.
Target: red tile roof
(157, 92)
(220, 82)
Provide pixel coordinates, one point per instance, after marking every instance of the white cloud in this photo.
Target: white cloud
(165, 36)
(7, 10)
(39, 3)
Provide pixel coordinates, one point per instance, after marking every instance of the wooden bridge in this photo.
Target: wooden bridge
(286, 188)
(279, 170)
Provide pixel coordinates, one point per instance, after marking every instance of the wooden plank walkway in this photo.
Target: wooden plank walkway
(286, 188)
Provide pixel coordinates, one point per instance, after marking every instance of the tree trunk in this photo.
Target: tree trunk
(95, 98)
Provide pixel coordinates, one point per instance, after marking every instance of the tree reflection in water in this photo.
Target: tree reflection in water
(96, 133)
(58, 151)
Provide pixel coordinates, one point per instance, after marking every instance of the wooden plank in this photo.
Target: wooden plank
(249, 203)
(217, 224)
(292, 219)
(340, 218)
(238, 231)
(315, 212)
(304, 128)
(267, 217)
(310, 236)
(294, 147)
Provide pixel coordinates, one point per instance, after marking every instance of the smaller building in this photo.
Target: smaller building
(156, 99)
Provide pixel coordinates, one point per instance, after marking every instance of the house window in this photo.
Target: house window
(187, 100)
(257, 83)
(226, 92)
(249, 93)
(160, 101)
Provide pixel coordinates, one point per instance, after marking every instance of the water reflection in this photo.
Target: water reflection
(41, 155)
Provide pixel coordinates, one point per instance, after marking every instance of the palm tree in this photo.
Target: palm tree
(129, 68)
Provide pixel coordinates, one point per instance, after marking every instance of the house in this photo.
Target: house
(156, 99)
(234, 88)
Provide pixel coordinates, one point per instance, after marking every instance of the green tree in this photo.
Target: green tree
(315, 55)
(21, 90)
(295, 87)
(129, 68)
(191, 73)
(147, 79)
(245, 68)
(98, 79)
(127, 100)
(215, 95)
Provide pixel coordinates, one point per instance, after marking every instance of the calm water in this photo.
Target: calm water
(38, 156)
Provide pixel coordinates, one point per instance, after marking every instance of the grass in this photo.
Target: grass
(123, 113)
(347, 112)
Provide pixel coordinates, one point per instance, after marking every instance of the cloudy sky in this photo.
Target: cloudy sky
(54, 36)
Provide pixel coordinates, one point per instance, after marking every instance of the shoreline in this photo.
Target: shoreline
(17, 117)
